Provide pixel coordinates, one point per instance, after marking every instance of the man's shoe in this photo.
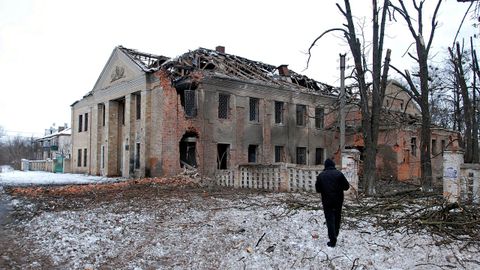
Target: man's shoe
(331, 244)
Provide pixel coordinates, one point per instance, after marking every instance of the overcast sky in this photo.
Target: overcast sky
(52, 52)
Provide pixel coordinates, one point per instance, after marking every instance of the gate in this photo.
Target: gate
(58, 165)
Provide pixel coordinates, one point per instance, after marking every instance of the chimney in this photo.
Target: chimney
(283, 70)
(220, 49)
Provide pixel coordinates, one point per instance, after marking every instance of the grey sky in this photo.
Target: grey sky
(52, 51)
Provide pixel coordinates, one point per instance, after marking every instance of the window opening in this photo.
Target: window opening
(254, 109)
(80, 123)
(302, 155)
(137, 156)
(319, 156)
(188, 150)
(190, 103)
(86, 121)
(103, 156)
(279, 153)
(252, 153)
(319, 117)
(223, 156)
(138, 107)
(85, 157)
(223, 105)
(278, 112)
(413, 143)
(79, 158)
(301, 110)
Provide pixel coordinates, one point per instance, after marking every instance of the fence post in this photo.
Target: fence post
(284, 179)
(350, 160)
(451, 174)
(24, 165)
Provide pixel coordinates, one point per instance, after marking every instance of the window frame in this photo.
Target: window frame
(85, 128)
(301, 109)
(254, 109)
(252, 157)
(223, 106)
(138, 106)
(297, 155)
(80, 123)
(319, 117)
(279, 151)
(279, 112)
(79, 157)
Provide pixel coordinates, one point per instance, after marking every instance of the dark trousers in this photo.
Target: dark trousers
(333, 218)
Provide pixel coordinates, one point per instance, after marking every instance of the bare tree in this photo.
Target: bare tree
(14, 149)
(371, 99)
(421, 96)
(457, 59)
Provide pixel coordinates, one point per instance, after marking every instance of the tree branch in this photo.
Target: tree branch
(318, 38)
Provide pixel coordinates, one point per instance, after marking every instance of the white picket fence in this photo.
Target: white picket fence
(277, 177)
(37, 165)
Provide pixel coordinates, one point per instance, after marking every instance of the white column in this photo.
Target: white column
(350, 160)
(451, 175)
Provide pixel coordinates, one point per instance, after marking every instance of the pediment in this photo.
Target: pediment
(119, 68)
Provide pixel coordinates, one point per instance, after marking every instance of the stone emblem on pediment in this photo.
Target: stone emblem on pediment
(118, 73)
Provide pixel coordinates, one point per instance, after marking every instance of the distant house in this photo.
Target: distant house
(55, 143)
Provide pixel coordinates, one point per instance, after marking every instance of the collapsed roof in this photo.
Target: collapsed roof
(146, 61)
(221, 64)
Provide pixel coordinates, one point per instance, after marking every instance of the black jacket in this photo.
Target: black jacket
(331, 183)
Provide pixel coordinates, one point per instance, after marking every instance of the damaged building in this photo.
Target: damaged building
(398, 151)
(151, 115)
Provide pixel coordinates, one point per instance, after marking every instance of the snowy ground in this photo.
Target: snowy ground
(21, 178)
(157, 227)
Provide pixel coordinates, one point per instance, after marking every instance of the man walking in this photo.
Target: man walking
(331, 183)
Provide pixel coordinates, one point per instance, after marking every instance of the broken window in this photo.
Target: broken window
(319, 116)
(222, 156)
(254, 110)
(80, 123)
(413, 143)
(85, 157)
(138, 107)
(188, 150)
(137, 156)
(86, 121)
(319, 156)
(190, 103)
(79, 158)
(252, 153)
(302, 155)
(278, 112)
(223, 106)
(279, 153)
(301, 113)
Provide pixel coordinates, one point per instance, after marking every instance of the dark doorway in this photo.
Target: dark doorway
(188, 150)
(222, 158)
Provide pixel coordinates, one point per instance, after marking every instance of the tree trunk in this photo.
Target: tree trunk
(467, 105)
(425, 159)
(369, 168)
